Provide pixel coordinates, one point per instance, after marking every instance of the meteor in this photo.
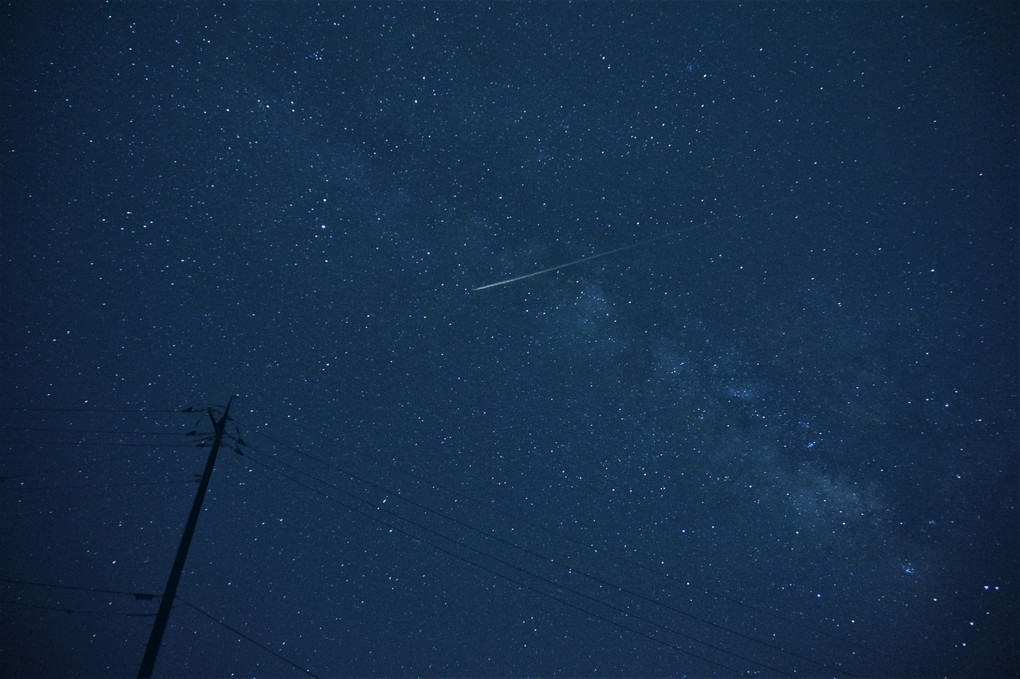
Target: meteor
(607, 253)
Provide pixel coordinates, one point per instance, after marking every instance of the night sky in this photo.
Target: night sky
(772, 431)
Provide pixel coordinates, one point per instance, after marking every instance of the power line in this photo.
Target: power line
(504, 576)
(567, 538)
(247, 638)
(141, 596)
(548, 580)
(604, 604)
(131, 411)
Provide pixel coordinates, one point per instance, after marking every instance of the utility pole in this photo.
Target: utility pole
(170, 593)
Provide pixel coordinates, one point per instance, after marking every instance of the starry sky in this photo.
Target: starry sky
(767, 426)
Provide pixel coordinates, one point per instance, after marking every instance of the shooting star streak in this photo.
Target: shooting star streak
(646, 241)
(578, 261)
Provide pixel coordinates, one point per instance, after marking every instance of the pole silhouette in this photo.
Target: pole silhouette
(170, 593)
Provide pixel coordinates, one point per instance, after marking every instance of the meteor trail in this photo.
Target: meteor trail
(583, 259)
(646, 241)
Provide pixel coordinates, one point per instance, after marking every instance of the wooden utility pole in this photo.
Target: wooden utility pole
(170, 593)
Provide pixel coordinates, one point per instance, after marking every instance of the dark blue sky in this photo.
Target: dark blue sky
(778, 439)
